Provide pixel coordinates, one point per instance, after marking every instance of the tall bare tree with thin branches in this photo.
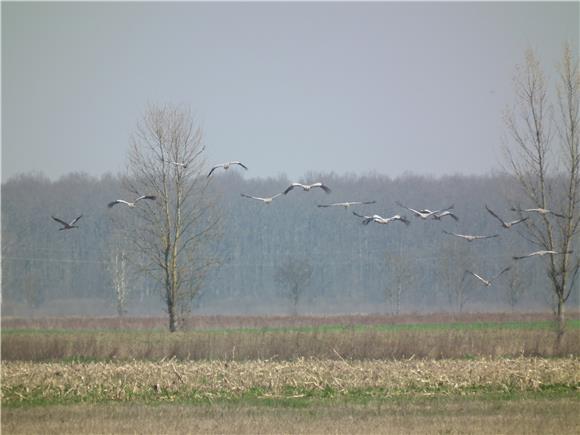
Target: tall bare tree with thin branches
(170, 235)
(543, 154)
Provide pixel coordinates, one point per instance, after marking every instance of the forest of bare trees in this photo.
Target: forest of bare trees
(354, 267)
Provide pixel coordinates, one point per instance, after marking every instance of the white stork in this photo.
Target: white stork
(227, 165)
(267, 200)
(381, 220)
(541, 211)
(506, 225)
(425, 213)
(484, 281)
(469, 237)
(307, 187)
(541, 254)
(131, 204)
(347, 204)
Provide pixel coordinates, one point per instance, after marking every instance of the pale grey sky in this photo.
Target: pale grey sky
(284, 87)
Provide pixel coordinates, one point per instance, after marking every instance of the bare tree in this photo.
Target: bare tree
(515, 289)
(294, 274)
(32, 285)
(117, 268)
(454, 259)
(171, 234)
(543, 155)
(400, 278)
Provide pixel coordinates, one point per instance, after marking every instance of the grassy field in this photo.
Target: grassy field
(241, 339)
(529, 414)
(291, 375)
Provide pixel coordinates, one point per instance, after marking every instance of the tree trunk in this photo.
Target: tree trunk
(561, 322)
(172, 316)
(295, 297)
(398, 300)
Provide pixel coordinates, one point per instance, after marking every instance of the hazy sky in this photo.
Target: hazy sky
(284, 87)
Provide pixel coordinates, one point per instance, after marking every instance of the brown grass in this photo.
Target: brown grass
(172, 380)
(286, 345)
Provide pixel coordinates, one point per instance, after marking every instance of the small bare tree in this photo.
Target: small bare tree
(400, 278)
(118, 271)
(170, 236)
(454, 260)
(31, 285)
(294, 274)
(543, 154)
(516, 288)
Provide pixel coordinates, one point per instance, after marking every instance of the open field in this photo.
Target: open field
(198, 322)
(405, 374)
(286, 338)
(523, 395)
(530, 414)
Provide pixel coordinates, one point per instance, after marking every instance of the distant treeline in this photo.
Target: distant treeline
(355, 268)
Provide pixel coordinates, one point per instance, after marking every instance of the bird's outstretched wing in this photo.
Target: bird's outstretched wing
(502, 272)
(558, 214)
(214, 168)
(472, 274)
(75, 220)
(322, 186)
(445, 213)
(239, 163)
(412, 210)
(518, 221)
(292, 186)
(494, 215)
(366, 219)
(151, 197)
(117, 201)
(402, 219)
(252, 197)
(60, 221)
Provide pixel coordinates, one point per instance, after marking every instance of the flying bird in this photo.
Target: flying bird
(366, 219)
(307, 187)
(381, 220)
(227, 165)
(438, 216)
(470, 238)
(506, 225)
(347, 204)
(67, 226)
(541, 254)
(183, 164)
(425, 213)
(267, 200)
(484, 281)
(178, 164)
(542, 211)
(132, 204)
